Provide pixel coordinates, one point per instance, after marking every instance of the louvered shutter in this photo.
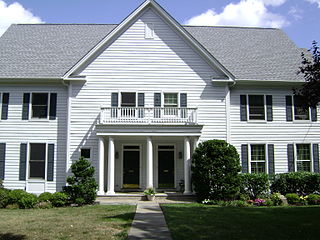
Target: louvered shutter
(289, 109)
(244, 158)
(315, 149)
(243, 108)
(25, 106)
(50, 165)
(23, 161)
(53, 106)
(141, 105)
(157, 105)
(2, 160)
(314, 114)
(183, 104)
(114, 104)
(290, 154)
(5, 106)
(270, 158)
(269, 108)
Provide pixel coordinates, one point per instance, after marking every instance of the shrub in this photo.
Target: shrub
(269, 202)
(59, 199)
(22, 198)
(215, 168)
(313, 199)
(293, 198)
(296, 182)
(1, 184)
(12, 206)
(45, 197)
(4, 197)
(253, 184)
(82, 187)
(275, 197)
(43, 205)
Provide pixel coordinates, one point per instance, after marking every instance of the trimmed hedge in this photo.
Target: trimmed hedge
(301, 183)
(254, 185)
(4, 197)
(22, 198)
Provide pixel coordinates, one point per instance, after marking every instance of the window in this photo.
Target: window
(40, 105)
(256, 107)
(149, 31)
(128, 99)
(258, 158)
(300, 112)
(303, 161)
(171, 103)
(85, 152)
(37, 160)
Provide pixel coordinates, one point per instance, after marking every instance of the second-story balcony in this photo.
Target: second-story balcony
(145, 115)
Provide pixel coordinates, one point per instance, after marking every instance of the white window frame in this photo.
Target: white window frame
(90, 149)
(45, 164)
(163, 105)
(266, 157)
(30, 107)
(294, 115)
(264, 107)
(296, 156)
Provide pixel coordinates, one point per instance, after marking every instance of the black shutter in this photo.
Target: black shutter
(244, 158)
(290, 153)
(316, 158)
(271, 158)
(5, 106)
(243, 108)
(269, 108)
(157, 103)
(50, 166)
(114, 104)
(23, 161)
(183, 104)
(2, 160)
(25, 106)
(289, 108)
(53, 106)
(141, 104)
(313, 114)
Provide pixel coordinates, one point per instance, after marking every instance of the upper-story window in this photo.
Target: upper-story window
(128, 99)
(300, 111)
(256, 107)
(303, 159)
(170, 103)
(40, 107)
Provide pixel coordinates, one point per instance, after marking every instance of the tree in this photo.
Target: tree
(82, 188)
(310, 90)
(215, 169)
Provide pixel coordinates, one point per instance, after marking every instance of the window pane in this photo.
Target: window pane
(256, 107)
(85, 152)
(303, 166)
(300, 112)
(37, 151)
(39, 105)
(258, 167)
(128, 99)
(303, 152)
(171, 99)
(258, 153)
(37, 169)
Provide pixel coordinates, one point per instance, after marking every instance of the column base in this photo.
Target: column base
(101, 193)
(187, 193)
(110, 193)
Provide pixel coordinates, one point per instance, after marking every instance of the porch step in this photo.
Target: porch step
(132, 198)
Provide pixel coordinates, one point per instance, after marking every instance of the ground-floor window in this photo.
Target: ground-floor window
(258, 158)
(37, 161)
(303, 159)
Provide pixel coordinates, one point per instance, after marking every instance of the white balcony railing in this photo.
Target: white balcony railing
(142, 115)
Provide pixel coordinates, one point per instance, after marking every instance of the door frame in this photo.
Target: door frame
(157, 163)
(122, 156)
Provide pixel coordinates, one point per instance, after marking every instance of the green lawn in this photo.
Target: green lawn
(89, 222)
(195, 221)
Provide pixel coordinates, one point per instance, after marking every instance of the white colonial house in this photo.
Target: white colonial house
(136, 98)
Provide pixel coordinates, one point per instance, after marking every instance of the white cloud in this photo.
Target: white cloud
(15, 13)
(296, 13)
(314, 1)
(250, 13)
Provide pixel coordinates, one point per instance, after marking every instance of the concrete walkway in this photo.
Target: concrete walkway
(149, 223)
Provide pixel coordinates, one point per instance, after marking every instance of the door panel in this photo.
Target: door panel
(166, 169)
(131, 167)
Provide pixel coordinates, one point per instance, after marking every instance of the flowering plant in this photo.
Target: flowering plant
(259, 202)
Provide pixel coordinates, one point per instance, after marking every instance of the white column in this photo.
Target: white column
(101, 166)
(195, 144)
(149, 163)
(110, 186)
(187, 167)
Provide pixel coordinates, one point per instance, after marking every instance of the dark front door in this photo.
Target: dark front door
(166, 167)
(131, 166)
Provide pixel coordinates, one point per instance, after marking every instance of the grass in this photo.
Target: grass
(195, 221)
(88, 222)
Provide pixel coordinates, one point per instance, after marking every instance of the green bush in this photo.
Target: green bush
(59, 199)
(4, 197)
(22, 198)
(253, 184)
(215, 169)
(293, 198)
(296, 182)
(275, 197)
(82, 187)
(313, 199)
(45, 197)
(12, 206)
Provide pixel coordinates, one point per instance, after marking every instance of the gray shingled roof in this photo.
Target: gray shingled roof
(50, 50)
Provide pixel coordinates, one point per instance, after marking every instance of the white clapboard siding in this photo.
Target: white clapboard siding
(278, 132)
(15, 131)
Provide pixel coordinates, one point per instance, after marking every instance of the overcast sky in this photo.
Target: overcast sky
(300, 19)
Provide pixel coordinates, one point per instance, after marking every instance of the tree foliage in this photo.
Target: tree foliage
(82, 188)
(310, 90)
(215, 169)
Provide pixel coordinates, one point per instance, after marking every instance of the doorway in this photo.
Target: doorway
(131, 167)
(166, 166)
